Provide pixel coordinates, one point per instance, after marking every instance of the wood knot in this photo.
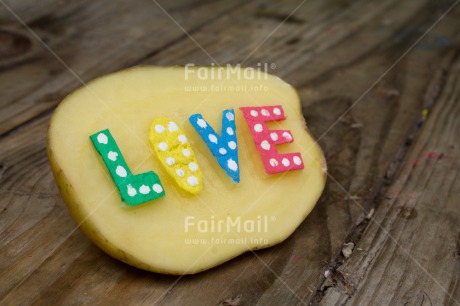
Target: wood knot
(18, 46)
(13, 44)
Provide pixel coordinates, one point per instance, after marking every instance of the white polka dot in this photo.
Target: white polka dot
(186, 152)
(102, 138)
(159, 128)
(201, 123)
(170, 161)
(265, 113)
(182, 139)
(222, 151)
(232, 145)
(230, 131)
(274, 136)
(273, 162)
(192, 180)
(180, 172)
(230, 116)
(172, 127)
(254, 113)
(287, 136)
(231, 164)
(277, 111)
(212, 138)
(112, 156)
(285, 162)
(121, 172)
(157, 188)
(192, 166)
(131, 191)
(265, 145)
(163, 146)
(144, 189)
(297, 160)
(258, 128)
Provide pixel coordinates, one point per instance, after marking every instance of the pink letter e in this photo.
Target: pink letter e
(266, 139)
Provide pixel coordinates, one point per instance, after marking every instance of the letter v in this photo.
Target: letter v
(225, 147)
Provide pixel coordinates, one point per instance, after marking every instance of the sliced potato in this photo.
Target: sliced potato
(182, 233)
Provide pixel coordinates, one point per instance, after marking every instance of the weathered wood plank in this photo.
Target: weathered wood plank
(332, 67)
(32, 10)
(92, 40)
(410, 252)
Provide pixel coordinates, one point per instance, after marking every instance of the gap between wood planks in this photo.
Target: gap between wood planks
(339, 281)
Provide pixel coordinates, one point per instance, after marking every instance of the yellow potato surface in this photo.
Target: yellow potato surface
(182, 233)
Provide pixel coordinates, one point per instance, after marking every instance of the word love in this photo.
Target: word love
(176, 154)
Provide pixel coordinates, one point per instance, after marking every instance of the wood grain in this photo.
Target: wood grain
(90, 39)
(332, 51)
(409, 253)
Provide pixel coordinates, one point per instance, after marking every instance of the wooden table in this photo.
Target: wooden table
(380, 88)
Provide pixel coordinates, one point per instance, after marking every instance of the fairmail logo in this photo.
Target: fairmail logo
(228, 225)
(227, 72)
